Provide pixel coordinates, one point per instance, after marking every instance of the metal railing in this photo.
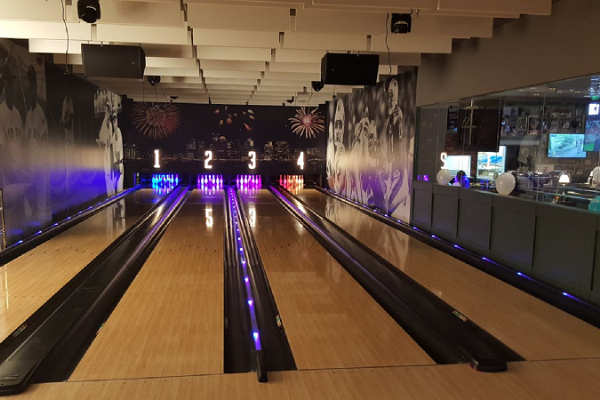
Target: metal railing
(2, 224)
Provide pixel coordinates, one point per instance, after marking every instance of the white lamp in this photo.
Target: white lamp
(564, 178)
(443, 177)
(505, 184)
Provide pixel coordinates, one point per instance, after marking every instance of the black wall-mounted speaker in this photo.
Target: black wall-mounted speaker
(110, 61)
(349, 69)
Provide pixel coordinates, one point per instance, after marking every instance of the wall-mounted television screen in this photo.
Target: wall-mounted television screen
(566, 145)
(592, 129)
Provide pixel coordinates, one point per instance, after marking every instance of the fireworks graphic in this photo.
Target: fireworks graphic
(235, 120)
(156, 121)
(308, 124)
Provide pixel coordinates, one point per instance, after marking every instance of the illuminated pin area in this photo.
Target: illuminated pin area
(164, 183)
(293, 183)
(248, 184)
(243, 262)
(209, 183)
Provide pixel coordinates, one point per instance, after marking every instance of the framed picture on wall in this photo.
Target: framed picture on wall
(522, 125)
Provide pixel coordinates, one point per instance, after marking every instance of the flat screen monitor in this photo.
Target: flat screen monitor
(592, 129)
(566, 145)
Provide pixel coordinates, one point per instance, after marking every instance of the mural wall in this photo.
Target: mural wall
(184, 133)
(371, 143)
(59, 146)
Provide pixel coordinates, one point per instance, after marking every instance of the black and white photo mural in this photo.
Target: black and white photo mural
(371, 143)
(60, 144)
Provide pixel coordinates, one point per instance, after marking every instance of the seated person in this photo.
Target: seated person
(461, 180)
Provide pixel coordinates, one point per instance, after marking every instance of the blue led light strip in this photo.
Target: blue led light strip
(242, 260)
(56, 224)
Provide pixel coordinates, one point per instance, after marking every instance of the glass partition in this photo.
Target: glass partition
(547, 137)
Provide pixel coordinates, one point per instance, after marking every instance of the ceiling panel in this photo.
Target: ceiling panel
(229, 38)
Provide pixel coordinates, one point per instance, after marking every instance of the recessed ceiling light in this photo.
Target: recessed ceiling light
(536, 94)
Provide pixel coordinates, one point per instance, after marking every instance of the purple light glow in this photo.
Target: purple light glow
(246, 280)
(241, 249)
(250, 302)
(433, 236)
(19, 242)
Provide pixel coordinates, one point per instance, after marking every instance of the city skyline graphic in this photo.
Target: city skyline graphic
(231, 133)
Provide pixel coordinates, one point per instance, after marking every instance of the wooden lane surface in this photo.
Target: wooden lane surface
(531, 327)
(548, 380)
(170, 320)
(331, 322)
(27, 282)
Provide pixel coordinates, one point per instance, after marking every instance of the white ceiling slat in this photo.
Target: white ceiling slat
(309, 68)
(240, 18)
(183, 72)
(270, 75)
(151, 62)
(304, 56)
(181, 80)
(232, 65)
(270, 82)
(31, 10)
(275, 89)
(230, 81)
(138, 13)
(331, 42)
(56, 46)
(228, 38)
(209, 73)
(44, 30)
(407, 4)
(230, 87)
(233, 54)
(141, 34)
(171, 51)
(230, 92)
(412, 44)
(535, 7)
(336, 22)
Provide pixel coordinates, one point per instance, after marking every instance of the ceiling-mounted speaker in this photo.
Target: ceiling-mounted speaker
(88, 10)
(401, 23)
(349, 69)
(110, 61)
(317, 85)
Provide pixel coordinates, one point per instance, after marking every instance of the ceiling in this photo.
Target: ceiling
(260, 52)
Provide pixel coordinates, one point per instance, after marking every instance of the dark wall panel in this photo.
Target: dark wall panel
(474, 219)
(445, 211)
(595, 294)
(422, 204)
(564, 248)
(513, 232)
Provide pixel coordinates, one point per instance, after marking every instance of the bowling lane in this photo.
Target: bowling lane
(170, 320)
(331, 322)
(531, 327)
(27, 282)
